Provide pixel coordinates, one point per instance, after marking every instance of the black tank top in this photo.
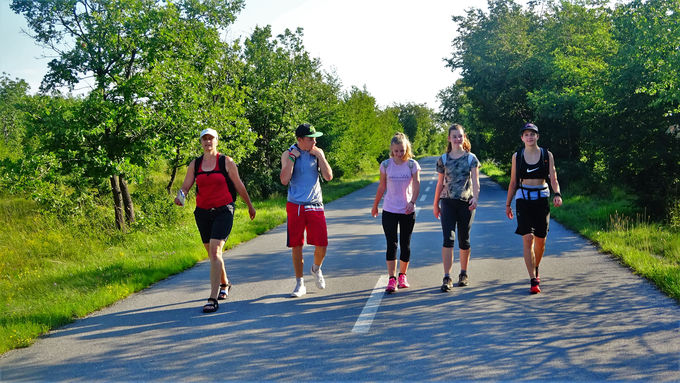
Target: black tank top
(537, 171)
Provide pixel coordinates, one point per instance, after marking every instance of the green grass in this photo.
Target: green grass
(52, 273)
(651, 249)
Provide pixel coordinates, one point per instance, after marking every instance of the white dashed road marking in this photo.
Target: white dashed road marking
(365, 320)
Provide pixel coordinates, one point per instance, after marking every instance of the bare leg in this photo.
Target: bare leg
(529, 258)
(319, 254)
(392, 268)
(403, 266)
(464, 259)
(539, 249)
(447, 259)
(298, 261)
(217, 272)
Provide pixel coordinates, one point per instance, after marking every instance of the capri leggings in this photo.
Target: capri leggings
(455, 212)
(406, 223)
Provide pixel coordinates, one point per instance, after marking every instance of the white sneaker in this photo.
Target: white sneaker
(299, 291)
(320, 282)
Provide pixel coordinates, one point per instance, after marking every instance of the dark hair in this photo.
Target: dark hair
(466, 143)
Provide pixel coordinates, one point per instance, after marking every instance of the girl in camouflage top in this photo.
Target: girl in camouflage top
(458, 191)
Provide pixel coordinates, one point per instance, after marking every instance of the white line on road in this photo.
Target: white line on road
(363, 324)
(423, 197)
(427, 189)
(417, 210)
(431, 182)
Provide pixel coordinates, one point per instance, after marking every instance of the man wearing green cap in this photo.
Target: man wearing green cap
(300, 166)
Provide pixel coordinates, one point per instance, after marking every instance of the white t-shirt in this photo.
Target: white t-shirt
(399, 185)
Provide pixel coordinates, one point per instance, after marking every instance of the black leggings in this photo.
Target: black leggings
(455, 212)
(406, 223)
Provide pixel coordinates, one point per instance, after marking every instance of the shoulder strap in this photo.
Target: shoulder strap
(411, 163)
(197, 165)
(469, 159)
(223, 166)
(386, 163)
(444, 159)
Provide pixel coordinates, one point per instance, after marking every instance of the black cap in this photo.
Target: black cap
(529, 126)
(307, 130)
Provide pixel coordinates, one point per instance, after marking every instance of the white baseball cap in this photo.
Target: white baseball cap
(209, 131)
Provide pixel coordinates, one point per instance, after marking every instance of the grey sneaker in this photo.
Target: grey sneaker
(320, 282)
(463, 280)
(299, 291)
(447, 285)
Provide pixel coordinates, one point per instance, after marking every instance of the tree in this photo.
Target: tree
(120, 45)
(12, 95)
(284, 87)
(645, 89)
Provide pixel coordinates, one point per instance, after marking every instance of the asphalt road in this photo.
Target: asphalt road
(595, 319)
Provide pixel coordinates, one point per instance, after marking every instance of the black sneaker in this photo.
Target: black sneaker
(463, 280)
(448, 284)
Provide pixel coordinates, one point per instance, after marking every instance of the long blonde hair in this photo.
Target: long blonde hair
(400, 138)
(466, 143)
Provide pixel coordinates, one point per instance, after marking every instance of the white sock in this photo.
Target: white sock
(315, 267)
(300, 281)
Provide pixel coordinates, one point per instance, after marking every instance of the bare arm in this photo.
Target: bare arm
(440, 185)
(232, 169)
(474, 173)
(379, 194)
(557, 200)
(188, 182)
(287, 165)
(416, 191)
(326, 170)
(512, 188)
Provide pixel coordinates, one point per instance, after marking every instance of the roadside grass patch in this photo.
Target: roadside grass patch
(52, 273)
(650, 249)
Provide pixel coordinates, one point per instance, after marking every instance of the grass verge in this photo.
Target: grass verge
(651, 249)
(51, 273)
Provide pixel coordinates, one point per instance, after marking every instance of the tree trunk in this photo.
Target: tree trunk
(118, 201)
(174, 173)
(127, 200)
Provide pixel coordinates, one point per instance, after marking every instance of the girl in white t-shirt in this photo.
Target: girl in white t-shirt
(400, 176)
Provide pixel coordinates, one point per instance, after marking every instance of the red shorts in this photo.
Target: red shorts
(306, 217)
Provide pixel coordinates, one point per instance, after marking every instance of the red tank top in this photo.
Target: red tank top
(212, 188)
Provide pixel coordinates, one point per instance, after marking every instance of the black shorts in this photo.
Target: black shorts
(533, 217)
(215, 223)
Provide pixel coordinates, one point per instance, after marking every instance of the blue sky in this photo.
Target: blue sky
(393, 47)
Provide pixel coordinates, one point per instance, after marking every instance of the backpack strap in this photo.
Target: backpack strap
(444, 156)
(385, 163)
(411, 163)
(222, 164)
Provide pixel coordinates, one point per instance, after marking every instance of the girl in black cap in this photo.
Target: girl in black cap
(532, 168)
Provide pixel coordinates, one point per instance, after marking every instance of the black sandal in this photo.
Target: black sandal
(211, 306)
(224, 291)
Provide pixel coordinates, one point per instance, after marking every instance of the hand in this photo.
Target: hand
(508, 212)
(295, 152)
(436, 211)
(557, 201)
(251, 211)
(374, 211)
(410, 208)
(177, 202)
(316, 151)
(473, 203)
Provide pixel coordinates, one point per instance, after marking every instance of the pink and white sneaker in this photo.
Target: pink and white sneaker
(403, 283)
(391, 285)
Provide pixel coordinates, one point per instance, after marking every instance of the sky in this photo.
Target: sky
(395, 48)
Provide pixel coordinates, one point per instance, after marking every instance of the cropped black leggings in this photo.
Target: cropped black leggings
(455, 212)
(406, 223)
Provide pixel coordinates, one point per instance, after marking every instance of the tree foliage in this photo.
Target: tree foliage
(600, 81)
